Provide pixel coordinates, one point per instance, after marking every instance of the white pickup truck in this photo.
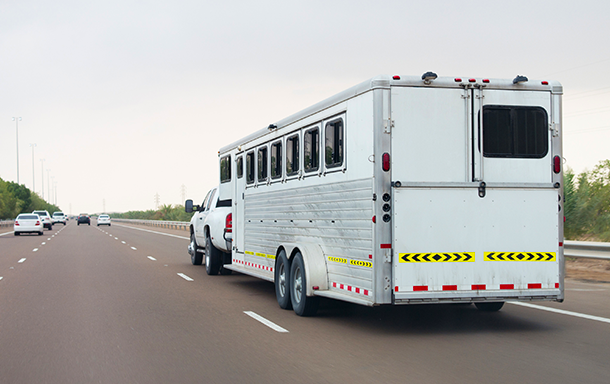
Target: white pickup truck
(211, 233)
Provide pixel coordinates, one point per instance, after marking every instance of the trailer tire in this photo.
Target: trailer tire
(212, 257)
(282, 281)
(196, 256)
(489, 307)
(302, 304)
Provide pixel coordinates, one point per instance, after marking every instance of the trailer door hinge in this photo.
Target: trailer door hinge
(387, 258)
(388, 125)
(554, 127)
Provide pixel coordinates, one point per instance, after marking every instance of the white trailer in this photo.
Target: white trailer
(405, 189)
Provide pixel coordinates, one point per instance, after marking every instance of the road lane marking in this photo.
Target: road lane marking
(116, 238)
(8, 233)
(123, 242)
(22, 260)
(43, 243)
(561, 311)
(1, 277)
(268, 323)
(152, 258)
(185, 277)
(49, 239)
(35, 250)
(134, 248)
(158, 233)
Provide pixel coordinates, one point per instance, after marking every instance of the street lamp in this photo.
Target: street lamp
(42, 174)
(33, 175)
(17, 120)
(49, 184)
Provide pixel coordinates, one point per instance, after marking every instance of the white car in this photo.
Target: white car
(103, 220)
(59, 217)
(46, 218)
(28, 223)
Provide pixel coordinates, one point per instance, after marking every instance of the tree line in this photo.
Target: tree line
(165, 212)
(16, 198)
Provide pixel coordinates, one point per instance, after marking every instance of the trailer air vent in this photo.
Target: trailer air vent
(386, 197)
(428, 77)
(519, 79)
(386, 207)
(387, 218)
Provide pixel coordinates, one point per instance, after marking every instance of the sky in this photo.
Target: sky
(128, 100)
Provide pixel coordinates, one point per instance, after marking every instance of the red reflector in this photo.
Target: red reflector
(561, 244)
(534, 286)
(385, 162)
(545, 83)
(370, 256)
(564, 219)
(507, 286)
(420, 287)
(385, 246)
(458, 80)
(449, 287)
(396, 77)
(374, 219)
(556, 164)
(472, 80)
(486, 80)
(477, 287)
(395, 289)
(556, 285)
(315, 287)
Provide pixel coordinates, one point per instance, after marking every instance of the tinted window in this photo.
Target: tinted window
(240, 167)
(262, 164)
(515, 131)
(276, 160)
(225, 169)
(333, 143)
(250, 168)
(27, 217)
(311, 145)
(292, 155)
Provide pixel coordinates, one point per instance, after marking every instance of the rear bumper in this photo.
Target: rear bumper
(477, 296)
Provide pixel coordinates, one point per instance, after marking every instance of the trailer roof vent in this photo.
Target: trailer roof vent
(519, 79)
(428, 77)
(271, 127)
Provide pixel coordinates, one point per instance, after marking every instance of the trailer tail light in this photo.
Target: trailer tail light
(229, 223)
(385, 162)
(556, 164)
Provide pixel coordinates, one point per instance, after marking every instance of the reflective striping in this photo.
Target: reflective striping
(349, 288)
(519, 256)
(249, 253)
(272, 257)
(253, 265)
(455, 257)
(475, 287)
(361, 263)
(337, 259)
(343, 260)
(261, 254)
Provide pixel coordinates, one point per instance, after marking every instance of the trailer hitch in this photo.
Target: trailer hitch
(482, 189)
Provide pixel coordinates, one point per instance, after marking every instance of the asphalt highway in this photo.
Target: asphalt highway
(87, 304)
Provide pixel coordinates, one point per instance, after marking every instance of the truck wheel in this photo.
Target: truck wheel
(282, 281)
(301, 303)
(489, 307)
(212, 257)
(196, 256)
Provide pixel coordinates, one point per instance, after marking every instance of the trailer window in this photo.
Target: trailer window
(250, 167)
(276, 160)
(292, 155)
(311, 145)
(262, 164)
(515, 131)
(334, 143)
(240, 167)
(225, 169)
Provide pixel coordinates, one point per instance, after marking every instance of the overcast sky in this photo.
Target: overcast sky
(126, 99)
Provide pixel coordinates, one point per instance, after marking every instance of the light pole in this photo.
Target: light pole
(33, 175)
(55, 193)
(49, 184)
(42, 174)
(52, 189)
(17, 120)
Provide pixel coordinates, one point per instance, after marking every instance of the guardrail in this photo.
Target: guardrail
(181, 225)
(7, 223)
(586, 249)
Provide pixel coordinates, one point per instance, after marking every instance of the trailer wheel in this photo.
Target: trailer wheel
(212, 257)
(282, 281)
(489, 307)
(196, 256)
(301, 303)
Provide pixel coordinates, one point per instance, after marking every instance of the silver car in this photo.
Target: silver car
(28, 223)
(103, 220)
(46, 218)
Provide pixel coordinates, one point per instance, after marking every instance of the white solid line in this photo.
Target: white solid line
(0, 277)
(185, 277)
(22, 260)
(268, 323)
(561, 311)
(152, 258)
(8, 233)
(134, 248)
(158, 233)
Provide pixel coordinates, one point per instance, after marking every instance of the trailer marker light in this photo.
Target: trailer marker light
(396, 77)
(420, 287)
(556, 164)
(449, 287)
(556, 285)
(385, 161)
(374, 219)
(386, 246)
(534, 286)
(486, 80)
(457, 80)
(472, 80)
(507, 286)
(396, 289)
(370, 256)
(478, 287)
(315, 287)
(545, 83)
(561, 243)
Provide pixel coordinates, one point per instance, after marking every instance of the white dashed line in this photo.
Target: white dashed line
(22, 260)
(1, 277)
(116, 238)
(152, 258)
(561, 311)
(268, 323)
(185, 277)
(134, 248)
(35, 250)
(43, 243)
(123, 242)
(49, 239)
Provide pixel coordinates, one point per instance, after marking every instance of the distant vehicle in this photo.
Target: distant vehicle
(211, 230)
(28, 223)
(103, 220)
(46, 218)
(83, 218)
(59, 217)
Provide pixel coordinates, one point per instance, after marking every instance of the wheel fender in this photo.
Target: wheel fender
(315, 265)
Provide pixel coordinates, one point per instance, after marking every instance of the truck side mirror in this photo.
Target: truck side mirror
(188, 206)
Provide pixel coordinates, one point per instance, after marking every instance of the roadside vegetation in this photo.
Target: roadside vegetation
(16, 199)
(165, 212)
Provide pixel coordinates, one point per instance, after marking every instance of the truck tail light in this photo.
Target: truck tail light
(556, 164)
(385, 161)
(229, 223)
